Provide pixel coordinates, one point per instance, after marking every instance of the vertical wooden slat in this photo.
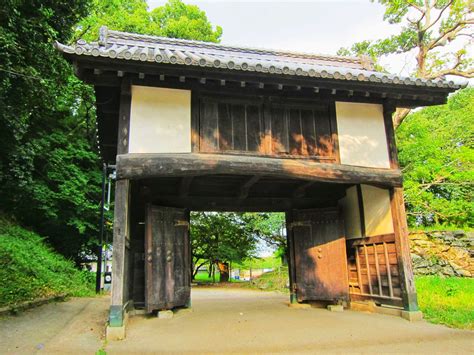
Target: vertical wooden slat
(376, 255)
(254, 129)
(195, 110)
(334, 132)
(267, 124)
(225, 127)
(238, 120)
(124, 117)
(294, 131)
(389, 272)
(359, 276)
(208, 127)
(368, 269)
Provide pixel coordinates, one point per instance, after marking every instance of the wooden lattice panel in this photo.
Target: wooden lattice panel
(373, 269)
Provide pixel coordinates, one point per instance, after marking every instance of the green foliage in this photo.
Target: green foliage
(447, 300)
(174, 19)
(29, 269)
(221, 237)
(276, 280)
(49, 176)
(436, 152)
(435, 29)
(49, 167)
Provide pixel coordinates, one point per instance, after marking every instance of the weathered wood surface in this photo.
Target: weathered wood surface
(120, 286)
(141, 166)
(167, 258)
(400, 227)
(320, 255)
(239, 124)
(374, 269)
(123, 138)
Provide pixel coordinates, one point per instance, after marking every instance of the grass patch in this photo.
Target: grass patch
(272, 281)
(29, 269)
(448, 301)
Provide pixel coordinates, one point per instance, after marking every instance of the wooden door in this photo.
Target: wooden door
(167, 258)
(319, 255)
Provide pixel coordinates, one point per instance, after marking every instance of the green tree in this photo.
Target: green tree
(439, 32)
(436, 151)
(48, 167)
(270, 228)
(174, 19)
(220, 238)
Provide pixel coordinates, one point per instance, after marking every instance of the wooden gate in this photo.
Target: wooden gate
(319, 255)
(374, 270)
(167, 258)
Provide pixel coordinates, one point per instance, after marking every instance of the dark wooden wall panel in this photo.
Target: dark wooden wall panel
(299, 130)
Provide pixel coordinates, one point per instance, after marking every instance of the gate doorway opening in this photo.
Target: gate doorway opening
(162, 252)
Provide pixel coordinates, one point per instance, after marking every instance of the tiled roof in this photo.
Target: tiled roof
(152, 49)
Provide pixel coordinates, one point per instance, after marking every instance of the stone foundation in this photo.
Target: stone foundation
(444, 253)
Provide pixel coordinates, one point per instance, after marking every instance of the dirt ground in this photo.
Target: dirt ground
(226, 321)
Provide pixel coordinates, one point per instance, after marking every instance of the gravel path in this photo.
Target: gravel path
(226, 321)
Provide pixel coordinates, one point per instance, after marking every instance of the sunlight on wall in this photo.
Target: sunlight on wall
(361, 132)
(377, 212)
(160, 120)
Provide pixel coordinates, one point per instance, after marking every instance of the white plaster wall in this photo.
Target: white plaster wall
(377, 211)
(350, 211)
(160, 120)
(361, 131)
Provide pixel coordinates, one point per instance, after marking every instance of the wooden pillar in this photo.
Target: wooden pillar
(121, 246)
(121, 241)
(400, 227)
(402, 244)
(291, 257)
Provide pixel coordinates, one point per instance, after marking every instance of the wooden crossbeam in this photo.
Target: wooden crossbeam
(140, 166)
(246, 186)
(185, 186)
(300, 191)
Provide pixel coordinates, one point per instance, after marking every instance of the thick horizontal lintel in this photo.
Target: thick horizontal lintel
(144, 166)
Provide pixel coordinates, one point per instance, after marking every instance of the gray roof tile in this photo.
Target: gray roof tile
(136, 47)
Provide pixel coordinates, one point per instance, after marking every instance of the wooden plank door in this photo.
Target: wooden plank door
(320, 255)
(167, 258)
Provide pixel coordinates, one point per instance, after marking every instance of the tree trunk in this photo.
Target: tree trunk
(399, 116)
(224, 271)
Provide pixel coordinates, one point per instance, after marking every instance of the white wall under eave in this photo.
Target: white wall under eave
(160, 120)
(362, 137)
(377, 210)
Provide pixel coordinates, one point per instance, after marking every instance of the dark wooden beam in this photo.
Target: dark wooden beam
(246, 186)
(141, 166)
(437, 94)
(300, 191)
(231, 204)
(185, 186)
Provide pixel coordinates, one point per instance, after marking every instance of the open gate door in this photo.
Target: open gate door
(320, 260)
(167, 258)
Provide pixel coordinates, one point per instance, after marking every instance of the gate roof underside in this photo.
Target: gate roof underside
(237, 193)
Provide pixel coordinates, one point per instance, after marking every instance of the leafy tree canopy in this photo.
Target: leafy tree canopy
(439, 32)
(174, 19)
(221, 237)
(436, 152)
(49, 167)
